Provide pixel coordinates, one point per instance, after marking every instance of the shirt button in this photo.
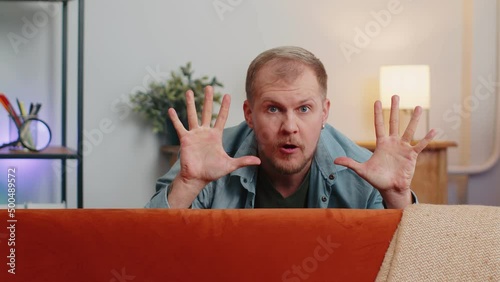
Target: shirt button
(324, 199)
(331, 176)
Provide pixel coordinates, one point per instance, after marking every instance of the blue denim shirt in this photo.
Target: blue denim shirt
(330, 186)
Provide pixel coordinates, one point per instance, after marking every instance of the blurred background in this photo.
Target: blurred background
(130, 43)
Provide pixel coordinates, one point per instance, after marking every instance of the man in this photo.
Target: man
(284, 154)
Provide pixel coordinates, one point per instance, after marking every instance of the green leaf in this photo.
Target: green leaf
(154, 103)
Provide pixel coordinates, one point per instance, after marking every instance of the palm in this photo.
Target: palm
(392, 165)
(201, 148)
(203, 158)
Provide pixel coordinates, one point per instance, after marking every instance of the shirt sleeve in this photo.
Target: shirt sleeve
(414, 199)
(375, 201)
(160, 198)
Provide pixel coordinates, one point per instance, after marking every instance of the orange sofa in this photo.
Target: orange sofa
(195, 245)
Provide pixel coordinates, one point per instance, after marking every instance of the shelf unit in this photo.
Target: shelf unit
(62, 152)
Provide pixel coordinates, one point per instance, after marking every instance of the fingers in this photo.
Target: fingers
(412, 126)
(206, 117)
(179, 127)
(424, 142)
(379, 120)
(348, 162)
(191, 110)
(220, 122)
(394, 118)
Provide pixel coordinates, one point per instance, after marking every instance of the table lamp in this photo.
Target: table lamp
(412, 84)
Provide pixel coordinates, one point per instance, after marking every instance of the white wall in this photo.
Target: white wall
(484, 188)
(126, 41)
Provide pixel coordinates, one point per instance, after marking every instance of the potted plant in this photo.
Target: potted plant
(153, 104)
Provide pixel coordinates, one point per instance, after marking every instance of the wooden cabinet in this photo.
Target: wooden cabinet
(430, 181)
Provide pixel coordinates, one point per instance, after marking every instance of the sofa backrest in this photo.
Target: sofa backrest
(195, 245)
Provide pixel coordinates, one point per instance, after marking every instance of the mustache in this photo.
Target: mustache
(277, 143)
(291, 142)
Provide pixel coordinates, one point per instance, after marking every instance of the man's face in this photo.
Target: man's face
(287, 117)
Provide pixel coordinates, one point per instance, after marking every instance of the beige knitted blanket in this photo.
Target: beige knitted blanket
(444, 243)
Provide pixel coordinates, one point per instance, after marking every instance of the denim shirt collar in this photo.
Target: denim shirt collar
(247, 174)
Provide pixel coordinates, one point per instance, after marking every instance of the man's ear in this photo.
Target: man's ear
(326, 110)
(247, 110)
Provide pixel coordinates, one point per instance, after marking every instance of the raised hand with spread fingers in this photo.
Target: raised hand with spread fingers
(202, 157)
(392, 165)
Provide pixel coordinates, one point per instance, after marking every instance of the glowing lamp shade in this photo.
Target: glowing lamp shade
(410, 82)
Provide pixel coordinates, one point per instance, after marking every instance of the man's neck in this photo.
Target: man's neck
(285, 184)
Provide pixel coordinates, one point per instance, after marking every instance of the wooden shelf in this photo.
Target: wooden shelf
(51, 152)
(433, 145)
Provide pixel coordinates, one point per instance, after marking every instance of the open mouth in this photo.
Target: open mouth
(289, 148)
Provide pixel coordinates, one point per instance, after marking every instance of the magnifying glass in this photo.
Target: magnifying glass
(34, 134)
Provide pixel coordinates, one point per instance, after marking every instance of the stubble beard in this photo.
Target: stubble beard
(287, 164)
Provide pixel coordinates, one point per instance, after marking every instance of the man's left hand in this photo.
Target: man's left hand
(392, 165)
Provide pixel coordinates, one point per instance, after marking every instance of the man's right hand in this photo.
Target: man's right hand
(202, 157)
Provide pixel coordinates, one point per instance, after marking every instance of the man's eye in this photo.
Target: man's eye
(304, 109)
(273, 109)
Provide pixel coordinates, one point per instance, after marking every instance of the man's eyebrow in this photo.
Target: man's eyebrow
(271, 101)
(301, 102)
(307, 100)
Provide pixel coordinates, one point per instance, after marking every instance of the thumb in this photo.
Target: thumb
(245, 161)
(348, 162)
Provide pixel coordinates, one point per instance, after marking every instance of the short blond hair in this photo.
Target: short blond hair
(290, 62)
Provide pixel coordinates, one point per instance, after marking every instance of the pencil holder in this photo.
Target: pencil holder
(27, 132)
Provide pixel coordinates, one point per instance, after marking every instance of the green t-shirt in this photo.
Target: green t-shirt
(268, 197)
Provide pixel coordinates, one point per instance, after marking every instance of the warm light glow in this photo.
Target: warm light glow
(410, 82)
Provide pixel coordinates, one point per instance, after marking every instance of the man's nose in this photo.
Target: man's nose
(289, 124)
